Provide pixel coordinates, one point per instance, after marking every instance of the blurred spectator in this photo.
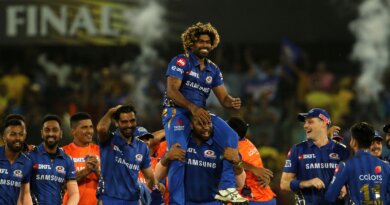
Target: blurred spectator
(16, 83)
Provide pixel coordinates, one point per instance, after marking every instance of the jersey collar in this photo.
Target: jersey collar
(42, 151)
(4, 158)
(118, 139)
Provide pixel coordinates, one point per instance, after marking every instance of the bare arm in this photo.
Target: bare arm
(173, 86)
(151, 181)
(285, 181)
(175, 153)
(103, 125)
(24, 195)
(263, 175)
(73, 192)
(225, 99)
(240, 180)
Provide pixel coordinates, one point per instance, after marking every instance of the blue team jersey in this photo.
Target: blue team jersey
(12, 176)
(203, 171)
(49, 176)
(307, 161)
(120, 164)
(196, 84)
(367, 179)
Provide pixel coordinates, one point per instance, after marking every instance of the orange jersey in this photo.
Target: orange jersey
(87, 187)
(251, 155)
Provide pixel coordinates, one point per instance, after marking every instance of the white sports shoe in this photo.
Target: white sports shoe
(230, 195)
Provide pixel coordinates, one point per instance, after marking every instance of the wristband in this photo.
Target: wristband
(294, 185)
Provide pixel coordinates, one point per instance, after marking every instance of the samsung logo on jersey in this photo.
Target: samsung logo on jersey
(128, 165)
(200, 163)
(369, 177)
(3, 171)
(197, 86)
(49, 177)
(321, 165)
(10, 182)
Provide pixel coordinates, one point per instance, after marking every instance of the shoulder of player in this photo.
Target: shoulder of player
(301, 144)
(339, 144)
(181, 60)
(212, 63)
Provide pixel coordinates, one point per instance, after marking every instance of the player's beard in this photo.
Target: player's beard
(15, 148)
(51, 142)
(201, 52)
(127, 132)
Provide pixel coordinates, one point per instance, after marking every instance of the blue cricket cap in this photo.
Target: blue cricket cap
(141, 132)
(315, 112)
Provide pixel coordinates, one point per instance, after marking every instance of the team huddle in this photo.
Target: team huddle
(198, 158)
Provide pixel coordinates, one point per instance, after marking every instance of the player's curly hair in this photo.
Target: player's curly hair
(192, 33)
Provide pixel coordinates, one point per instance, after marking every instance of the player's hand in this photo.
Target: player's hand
(232, 155)
(263, 174)
(236, 103)
(202, 115)
(161, 188)
(176, 153)
(232, 102)
(92, 163)
(332, 129)
(343, 192)
(316, 183)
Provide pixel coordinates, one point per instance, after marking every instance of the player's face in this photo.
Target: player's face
(126, 124)
(51, 133)
(314, 128)
(376, 148)
(14, 136)
(202, 46)
(83, 131)
(203, 132)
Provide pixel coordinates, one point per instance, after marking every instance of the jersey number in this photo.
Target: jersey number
(366, 191)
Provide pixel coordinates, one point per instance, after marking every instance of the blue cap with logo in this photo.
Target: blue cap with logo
(141, 132)
(315, 112)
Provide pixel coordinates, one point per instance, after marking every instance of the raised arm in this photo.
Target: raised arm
(225, 99)
(103, 125)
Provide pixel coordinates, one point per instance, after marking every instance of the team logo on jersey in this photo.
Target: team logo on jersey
(334, 156)
(181, 62)
(138, 157)
(209, 79)
(288, 163)
(378, 170)
(209, 154)
(60, 169)
(18, 173)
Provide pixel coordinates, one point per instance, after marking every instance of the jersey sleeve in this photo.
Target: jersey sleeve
(218, 78)
(146, 158)
(291, 165)
(338, 180)
(71, 172)
(176, 67)
(28, 170)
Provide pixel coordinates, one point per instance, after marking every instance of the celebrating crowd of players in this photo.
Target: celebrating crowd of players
(204, 159)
